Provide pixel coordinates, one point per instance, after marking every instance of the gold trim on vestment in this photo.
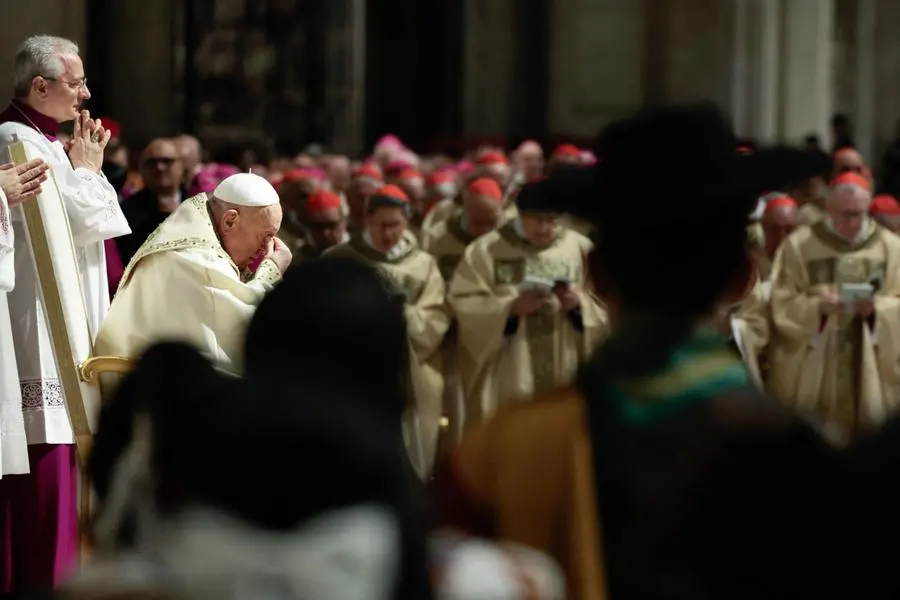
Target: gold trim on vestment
(456, 229)
(839, 244)
(209, 239)
(508, 232)
(359, 245)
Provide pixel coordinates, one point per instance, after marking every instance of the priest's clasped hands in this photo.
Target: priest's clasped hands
(830, 304)
(89, 139)
(21, 183)
(531, 301)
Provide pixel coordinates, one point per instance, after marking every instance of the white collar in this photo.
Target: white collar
(518, 227)
(864, 231)
(394, 253)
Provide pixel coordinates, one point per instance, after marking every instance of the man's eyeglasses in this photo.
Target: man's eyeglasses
(79, 84)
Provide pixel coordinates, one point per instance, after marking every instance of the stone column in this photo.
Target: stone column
(141, 77)
(808, 83)
(887, 90)
(488, 65)
(864, 117)
(345, 76)
(597, 54)
(755, 101)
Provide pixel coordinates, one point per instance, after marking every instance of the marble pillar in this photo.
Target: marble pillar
(141, 78)
(864, 116)
(597, 52)
(488, 66)
(756, 74)
(808, 73)
(887, 85)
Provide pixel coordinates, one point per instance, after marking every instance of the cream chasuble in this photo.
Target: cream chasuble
(546, 348)
(414, 274)
(447, 210)
(447, 242)
(182, 285)
(842, 369)
(809, 214)
(13, 445)
(751, 326)
(92, 207)
(440, 213)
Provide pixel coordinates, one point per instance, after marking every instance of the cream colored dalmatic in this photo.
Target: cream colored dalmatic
(447, 242)
(80, 211)
(546, 349)
(415, 274)
(13, 445)
(846, 372)
(181, 285)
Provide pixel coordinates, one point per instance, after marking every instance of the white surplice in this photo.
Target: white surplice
(13, 445)
(94, 216)
(181, 285)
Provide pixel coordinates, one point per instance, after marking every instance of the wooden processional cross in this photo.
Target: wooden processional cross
(50, 237)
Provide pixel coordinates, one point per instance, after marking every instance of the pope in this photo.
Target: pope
(191, 280)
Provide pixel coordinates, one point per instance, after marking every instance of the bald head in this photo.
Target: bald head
(848, 160)
(483, 211)
(529, 159)
(848, 206)
(339, 170)
(161, 166)
(191, 153)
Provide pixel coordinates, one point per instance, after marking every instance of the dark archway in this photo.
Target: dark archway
(413, 70)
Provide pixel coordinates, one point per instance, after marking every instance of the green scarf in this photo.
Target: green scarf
(699, 369)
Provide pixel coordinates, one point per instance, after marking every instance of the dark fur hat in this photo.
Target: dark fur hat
(668, 161)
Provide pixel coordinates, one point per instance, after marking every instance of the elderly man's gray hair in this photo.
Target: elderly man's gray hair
(40, 55)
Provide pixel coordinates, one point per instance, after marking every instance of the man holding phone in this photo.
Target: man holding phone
(524, 310)
(836, 315)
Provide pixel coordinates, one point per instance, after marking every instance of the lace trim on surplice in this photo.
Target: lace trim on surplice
(40, 393)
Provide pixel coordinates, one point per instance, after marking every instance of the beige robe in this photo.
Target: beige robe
(840, 369)
(446, 243)
(751, 326)
(440, 213)
(415, 274)
(181, 285)
(446, 210)
(545, 349)
(809, 214)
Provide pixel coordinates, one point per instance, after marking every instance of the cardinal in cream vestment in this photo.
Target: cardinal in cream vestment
(752, 323)
(525, 315)
(184, 285)
(414, 276)
(481, 213)
(835, 350)
(13, 446)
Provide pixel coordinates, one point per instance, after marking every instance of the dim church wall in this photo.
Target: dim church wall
(64, 18)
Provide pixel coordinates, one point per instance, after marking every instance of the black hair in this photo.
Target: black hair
(840, 120)
(670, 251)
(343, 317)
